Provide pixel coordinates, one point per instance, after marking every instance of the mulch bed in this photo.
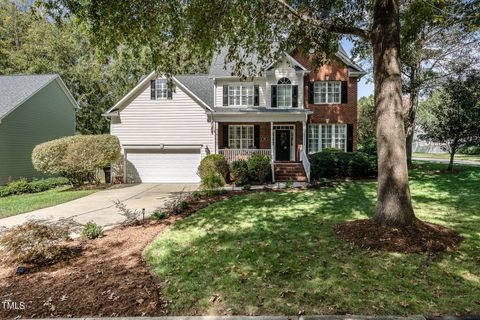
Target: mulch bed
(419, 238)
(108, 278)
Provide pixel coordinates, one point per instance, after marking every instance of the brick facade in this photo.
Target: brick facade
(332, 113)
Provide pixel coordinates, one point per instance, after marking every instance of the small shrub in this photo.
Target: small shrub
(342, 164)
(239, 172)
(91, 230)
(184, 205)
(132, 217)
(259, 168)
(176, 204)
(159, 215)
(289, 184)
(213, 163)
(212, 180)
(247, 187)
(19, 186)
(213, 192)
(35, 243)
(47, 184)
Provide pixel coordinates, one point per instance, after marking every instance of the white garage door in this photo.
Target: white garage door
(165, 166)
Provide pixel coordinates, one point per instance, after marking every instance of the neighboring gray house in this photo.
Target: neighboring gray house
(33, 109)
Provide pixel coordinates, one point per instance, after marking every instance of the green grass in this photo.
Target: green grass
(276, 253)
(446, 156)
(13, 205)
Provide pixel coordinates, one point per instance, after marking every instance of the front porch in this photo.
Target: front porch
(282, 142)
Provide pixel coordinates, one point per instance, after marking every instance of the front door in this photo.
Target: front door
(282, 145)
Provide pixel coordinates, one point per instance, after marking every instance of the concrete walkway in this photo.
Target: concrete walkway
(99, 208)
(446, 161)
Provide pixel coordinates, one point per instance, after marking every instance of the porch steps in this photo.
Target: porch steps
(290, 171)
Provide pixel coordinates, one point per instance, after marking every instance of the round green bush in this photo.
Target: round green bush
(91, 230)
(259, 168)
(213, 163)
(77, 158)
(342, 164)
(239, 172)
(212, 180)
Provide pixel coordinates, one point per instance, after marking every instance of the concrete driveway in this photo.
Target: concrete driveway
(99, 207)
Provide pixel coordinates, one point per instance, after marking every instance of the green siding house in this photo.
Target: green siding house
(33, 109)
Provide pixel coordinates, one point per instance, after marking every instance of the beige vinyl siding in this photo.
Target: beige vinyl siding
(47, 115)
(221, 82)
(284, 69)
(178, 121)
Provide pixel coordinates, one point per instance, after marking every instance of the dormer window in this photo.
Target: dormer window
(160, 89)
(284, 87)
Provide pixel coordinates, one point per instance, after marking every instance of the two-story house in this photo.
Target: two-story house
(166, 126)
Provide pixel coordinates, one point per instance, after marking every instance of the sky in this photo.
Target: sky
(365, 88)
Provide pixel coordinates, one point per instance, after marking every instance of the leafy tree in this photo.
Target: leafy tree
(255, 27)
(366, 119)
(452, 115)
(437, 39)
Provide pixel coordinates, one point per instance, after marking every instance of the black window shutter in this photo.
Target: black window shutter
(169, 89)
(274, 97)
(256, 136)
(256, 95)
(225, 95)
(294, 96)
(225, 136)
(152, 89)
(349, 137)
(344, 91)
(310, 92)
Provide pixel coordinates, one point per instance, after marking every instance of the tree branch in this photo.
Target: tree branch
(305, 18)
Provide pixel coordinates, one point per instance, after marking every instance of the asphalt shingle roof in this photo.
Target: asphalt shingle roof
(201, 85)
(16, 89)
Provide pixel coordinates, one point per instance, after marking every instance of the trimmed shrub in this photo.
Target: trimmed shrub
(159, 215)
(332, 150)
(239, 172)
(213, 163)
(36, 243)
(212, 180)
(77, 158)
(247, 187)
(91, 231)
(342, 164)
(21, 186)
(259, 168)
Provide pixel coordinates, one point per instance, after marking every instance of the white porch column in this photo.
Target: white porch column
(272, 152)
(304, 142)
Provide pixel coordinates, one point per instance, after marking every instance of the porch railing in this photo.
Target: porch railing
(237, 154)
(305, 162)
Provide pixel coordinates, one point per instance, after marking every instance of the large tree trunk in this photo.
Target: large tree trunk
(394, 206)
(412, 114)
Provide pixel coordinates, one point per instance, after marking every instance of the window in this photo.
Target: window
(240, 95)
(161, 89)
(284, 93)
(240, 137)
(326, 92)
(321, 136)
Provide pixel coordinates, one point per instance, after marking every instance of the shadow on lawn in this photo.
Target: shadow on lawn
(276, 253)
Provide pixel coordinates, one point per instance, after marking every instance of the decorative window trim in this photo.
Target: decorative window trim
(318, 134)
(245, 97)
(330, 87)
(244, 141)
(284, 90)
(161, 89)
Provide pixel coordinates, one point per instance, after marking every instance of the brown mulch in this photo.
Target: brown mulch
(108, 278)
(418, 238)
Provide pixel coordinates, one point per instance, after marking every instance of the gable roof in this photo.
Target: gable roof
(218, 68)
(199, 87)
(16, 89)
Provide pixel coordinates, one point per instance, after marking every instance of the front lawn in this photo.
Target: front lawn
(446, 156)
(276, 253)
(16, 204)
